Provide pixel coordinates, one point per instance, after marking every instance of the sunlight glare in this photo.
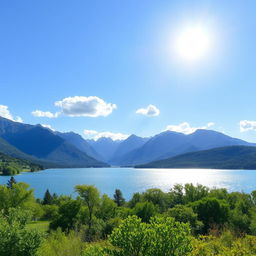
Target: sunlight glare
(193, 43)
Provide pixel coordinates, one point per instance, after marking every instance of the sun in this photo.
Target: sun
(193, 43)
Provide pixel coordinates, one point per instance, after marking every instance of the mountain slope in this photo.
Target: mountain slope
(169, 144)
(80, 143)
(232, 157)
(105, 147)
(131, 143)
(43, 144)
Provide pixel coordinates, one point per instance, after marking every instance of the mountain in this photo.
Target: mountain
(8, 149)
(232, 157)
(105, 147)
(78, 141)
(41, 143)
(168, 144)
(131, 143)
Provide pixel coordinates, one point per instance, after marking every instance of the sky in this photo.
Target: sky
(115, 68)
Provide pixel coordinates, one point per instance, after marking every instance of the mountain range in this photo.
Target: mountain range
(56, 149)
(136, 150)
(232, 157)
(41, 145)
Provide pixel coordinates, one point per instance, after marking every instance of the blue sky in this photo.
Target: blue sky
(121, 52)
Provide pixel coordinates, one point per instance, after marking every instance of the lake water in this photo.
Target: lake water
(129, 180)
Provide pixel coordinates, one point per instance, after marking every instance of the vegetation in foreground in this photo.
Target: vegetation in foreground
(187, 220)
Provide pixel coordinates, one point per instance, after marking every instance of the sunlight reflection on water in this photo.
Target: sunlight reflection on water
(129, 180)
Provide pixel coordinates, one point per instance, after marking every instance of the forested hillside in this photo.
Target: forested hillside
(11, 166)
(234, 157)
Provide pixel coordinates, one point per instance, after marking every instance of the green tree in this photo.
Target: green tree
(185, 214)
(145, 210)
(211, 211)
(19, 196)
(47, 197)
(162, 236)
(91, 197)
(107, 208)
(157, 197)
(68, 215)
(194, 193)
(118, 198)
(15, 238)
(11, 182)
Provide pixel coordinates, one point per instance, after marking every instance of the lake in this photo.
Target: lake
(129, 180)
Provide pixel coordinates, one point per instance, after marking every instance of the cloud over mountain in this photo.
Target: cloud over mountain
(150, 110)
(186, 128)
(39, 113)
(92, 134)
(5, 112)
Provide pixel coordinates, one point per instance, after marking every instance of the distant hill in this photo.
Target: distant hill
(17, 165)
(41, 143)
(169, 144)
(232, 157)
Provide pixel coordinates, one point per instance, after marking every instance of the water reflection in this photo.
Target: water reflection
(129, 180)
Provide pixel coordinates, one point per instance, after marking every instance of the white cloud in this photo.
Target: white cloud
(150, 110)
(39, 113)
(246, 125)
(4, 112)
(48, 127)
(92, 134)
(91, 106)
(186, 128)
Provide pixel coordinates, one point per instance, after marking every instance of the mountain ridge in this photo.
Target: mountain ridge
(230, 157)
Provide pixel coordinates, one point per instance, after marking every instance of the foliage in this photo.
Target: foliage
(211, 211)
(67, 217)
(162, 236)
(186, 214)
(152, 223)
(118, 197)
(19, 196)
(15, 238)
(145, 210)
(59, 244)
(12, 166)
(48, 199)
(91, 197)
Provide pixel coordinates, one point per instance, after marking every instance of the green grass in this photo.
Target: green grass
(39, 225)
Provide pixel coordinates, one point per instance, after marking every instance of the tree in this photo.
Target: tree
(11, 182)
(118, 197)
(91, 197)
(194, 193)
(185, 214)
(15, 238)
(157, 197)
(162, 236)
(107, 208)
(68, 215)
(19, 196)
(145, 210)
(211, 211)
(10, 170)
(47, 197)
